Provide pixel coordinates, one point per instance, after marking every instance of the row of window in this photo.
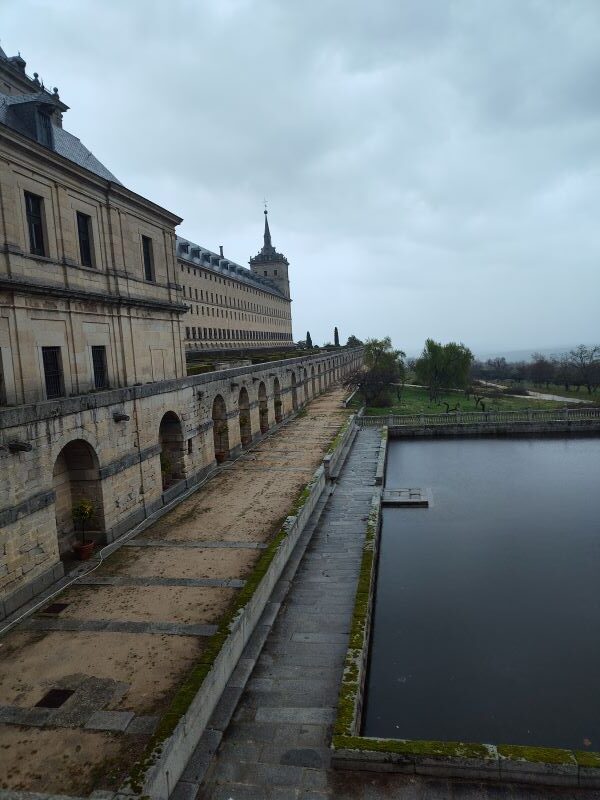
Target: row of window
(234, 302)
(38, 245)
(225, 314)
(207, 275)
(219, 333)
(53, 370)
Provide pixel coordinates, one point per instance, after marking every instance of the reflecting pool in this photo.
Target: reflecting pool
(487, 616)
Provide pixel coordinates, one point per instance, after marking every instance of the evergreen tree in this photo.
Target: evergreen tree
(336, 337)
(309, 343)
(353, 341)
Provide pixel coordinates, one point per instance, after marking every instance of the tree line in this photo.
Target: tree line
(579, 368)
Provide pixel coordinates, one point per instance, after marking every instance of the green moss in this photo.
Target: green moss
(546, 755)
(585, 759)
(338, 438)
(413, 747)
(190, 687)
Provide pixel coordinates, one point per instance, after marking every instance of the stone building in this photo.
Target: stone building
(230, 306)
(88, 291)
(94, 399)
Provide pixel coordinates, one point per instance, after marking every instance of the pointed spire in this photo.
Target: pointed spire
(267, 253)
(268, 246)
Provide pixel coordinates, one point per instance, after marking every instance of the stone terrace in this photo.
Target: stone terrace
(118, 643)
(277, 745)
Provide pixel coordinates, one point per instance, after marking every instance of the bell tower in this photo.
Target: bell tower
(271, 264)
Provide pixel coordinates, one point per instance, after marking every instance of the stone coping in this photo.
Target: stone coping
(13, 416)
(184, 723)
(469, 760)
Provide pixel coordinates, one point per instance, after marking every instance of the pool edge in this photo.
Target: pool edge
(350, 750)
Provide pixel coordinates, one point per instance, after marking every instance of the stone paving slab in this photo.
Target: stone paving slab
(144, 725)
(118, 626)
(131, 580)
(109, 720)
(277, 744)
(195, 544)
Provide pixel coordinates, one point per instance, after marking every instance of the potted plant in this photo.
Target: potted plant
(83, 511)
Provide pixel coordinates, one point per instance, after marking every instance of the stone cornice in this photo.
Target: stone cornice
(8, 283)
(48, 409)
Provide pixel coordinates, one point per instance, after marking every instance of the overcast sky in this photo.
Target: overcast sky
(432, 168)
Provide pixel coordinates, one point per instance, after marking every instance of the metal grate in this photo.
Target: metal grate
(52, 371)
(100, 372)
(55, 608)
(54, 698)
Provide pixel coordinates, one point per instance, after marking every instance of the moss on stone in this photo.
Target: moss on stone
(545, 755)
(587, 759)
(338, 438)
(407, 747)
(192, 684)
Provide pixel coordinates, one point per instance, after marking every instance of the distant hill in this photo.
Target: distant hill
(525, 355)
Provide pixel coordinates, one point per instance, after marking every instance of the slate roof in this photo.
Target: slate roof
(196, 256)
(65, 144)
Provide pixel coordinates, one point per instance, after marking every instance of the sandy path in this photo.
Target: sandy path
(246, 502)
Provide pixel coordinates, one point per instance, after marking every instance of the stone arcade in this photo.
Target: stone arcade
(94, 398)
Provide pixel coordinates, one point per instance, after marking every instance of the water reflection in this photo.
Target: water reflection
(487, 616)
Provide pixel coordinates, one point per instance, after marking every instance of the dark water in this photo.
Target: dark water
(487, 616)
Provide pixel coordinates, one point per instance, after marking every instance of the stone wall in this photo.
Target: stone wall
(107, 446)
(55, 300)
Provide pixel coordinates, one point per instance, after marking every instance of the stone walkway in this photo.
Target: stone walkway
(84, 680)
(277, 745)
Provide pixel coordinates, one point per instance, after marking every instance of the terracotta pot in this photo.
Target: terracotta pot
(84, 550)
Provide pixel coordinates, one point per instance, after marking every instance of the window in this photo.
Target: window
(34, 209)
(44, 129)
(84, 231)
(148, 259)
(53, 372)
(2, 384)
(99, 363)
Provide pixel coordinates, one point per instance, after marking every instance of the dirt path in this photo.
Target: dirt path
(537, 395)
(129, 634)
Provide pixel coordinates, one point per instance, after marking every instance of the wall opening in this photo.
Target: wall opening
(75, 477)
(305, 386)
(220, 429)
(172, 463)
(263, 408)
(294, 392)
(313, 382)
(277, 400)
(245, 423)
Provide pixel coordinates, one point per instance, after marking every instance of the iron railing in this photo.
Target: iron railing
(481, 417)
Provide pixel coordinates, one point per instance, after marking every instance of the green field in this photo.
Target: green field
(416, 400)
(559, 389)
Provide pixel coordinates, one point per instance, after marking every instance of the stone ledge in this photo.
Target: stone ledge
(168, 758)
(505, 763)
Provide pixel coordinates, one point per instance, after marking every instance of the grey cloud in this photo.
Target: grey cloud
(432, 167)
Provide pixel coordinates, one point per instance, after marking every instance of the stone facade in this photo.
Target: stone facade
(231, 307)
(94, 399)
(131, 451)
(87, 267)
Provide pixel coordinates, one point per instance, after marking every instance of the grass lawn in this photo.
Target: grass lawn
(416, 401)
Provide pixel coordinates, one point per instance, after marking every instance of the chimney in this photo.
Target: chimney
(221, 250)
